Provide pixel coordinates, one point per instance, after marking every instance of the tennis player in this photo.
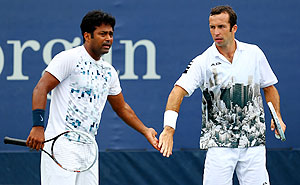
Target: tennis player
(230, 74)
(82, 82)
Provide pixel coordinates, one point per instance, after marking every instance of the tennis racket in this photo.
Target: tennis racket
(276, 122)
(74, 151)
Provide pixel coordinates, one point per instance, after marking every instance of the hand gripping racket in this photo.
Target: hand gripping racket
(74, 151)
(276, 122)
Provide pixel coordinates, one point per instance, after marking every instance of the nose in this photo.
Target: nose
(216, 31)
(108, 37)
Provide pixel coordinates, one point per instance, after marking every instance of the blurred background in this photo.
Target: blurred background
(153, 43)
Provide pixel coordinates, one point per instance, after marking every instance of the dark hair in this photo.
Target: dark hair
(221, 9)
(96, 18)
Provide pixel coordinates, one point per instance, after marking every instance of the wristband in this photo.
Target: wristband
(38, 117)
(170, 118)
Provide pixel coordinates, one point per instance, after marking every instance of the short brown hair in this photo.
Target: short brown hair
(221, 9)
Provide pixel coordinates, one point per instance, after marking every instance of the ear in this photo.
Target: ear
(234, 28)
(87, 36)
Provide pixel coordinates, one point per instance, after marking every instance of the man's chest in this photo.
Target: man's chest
(244, 70)
(91, 77)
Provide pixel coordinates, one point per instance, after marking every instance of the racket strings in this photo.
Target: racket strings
(74, 151)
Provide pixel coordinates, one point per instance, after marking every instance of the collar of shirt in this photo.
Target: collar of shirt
(91, 58)
(239, 48)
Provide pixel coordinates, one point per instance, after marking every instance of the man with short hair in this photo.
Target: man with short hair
(82, 82)
(230, 74)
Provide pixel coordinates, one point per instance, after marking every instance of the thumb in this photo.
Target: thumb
(155, 133)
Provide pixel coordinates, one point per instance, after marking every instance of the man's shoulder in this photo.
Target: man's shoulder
(247, 46)
(205, 55)
(72, 52)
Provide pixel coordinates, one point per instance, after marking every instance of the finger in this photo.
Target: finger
(33, 144)
(154, 137)
(155, 133)
(169, 153)
(155, 143)
(30, 144)
(27, 141)
(272, 125)
(160, 142)
(166, 154)
(166, 150)
(283, 126)
(156, 146)
(162, 148)
(38, 146)
(169, 150)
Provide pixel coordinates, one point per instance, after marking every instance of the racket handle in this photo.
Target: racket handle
(14, 141)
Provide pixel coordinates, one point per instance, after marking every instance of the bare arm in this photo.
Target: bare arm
(166, 137)
(271, 95)
(125, 112)
(39, 101)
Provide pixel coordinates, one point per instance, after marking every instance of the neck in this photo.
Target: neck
(228, 50)
(91, 52)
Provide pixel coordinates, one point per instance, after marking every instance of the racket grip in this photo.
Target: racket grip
(14, 141)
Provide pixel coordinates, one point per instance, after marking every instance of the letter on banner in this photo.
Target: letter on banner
(129, 60)
(18, 51)
(47, 52)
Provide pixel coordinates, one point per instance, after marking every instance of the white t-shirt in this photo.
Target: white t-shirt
(232, 109)
(78, 100)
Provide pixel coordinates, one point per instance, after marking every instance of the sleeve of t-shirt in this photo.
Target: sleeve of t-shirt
(191, 78)
(115, 87)
(267, 77)
(61, 66)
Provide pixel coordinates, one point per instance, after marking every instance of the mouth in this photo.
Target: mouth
(218, 40)
(105, 46)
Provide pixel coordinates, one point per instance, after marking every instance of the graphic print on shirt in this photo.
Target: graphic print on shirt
(188, 67)
(232, 115)
(89, 90)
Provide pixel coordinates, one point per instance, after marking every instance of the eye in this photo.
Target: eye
(221, 26)
(102, 33)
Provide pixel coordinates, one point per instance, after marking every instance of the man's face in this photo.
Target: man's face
(220, 29)
(102, 39)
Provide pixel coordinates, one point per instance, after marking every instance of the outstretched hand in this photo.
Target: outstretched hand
(36, 138)
(166, 141)
(151, 137)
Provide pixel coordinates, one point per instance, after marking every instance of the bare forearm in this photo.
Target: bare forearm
(175, 99)
(39, 98)
(131, 119)
(271, 95)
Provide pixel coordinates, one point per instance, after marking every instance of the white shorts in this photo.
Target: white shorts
(249, 163)
(52, 174)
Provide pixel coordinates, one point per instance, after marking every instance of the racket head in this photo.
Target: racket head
(74, 151)
(276, 122)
